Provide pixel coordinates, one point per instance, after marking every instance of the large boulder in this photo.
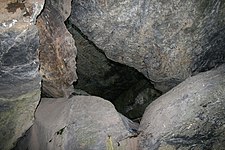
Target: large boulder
(79, 123)
(167, 41)
(19, 78)
(57, 52)
(190, 116)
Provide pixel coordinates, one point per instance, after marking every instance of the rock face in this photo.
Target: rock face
(57, 52)
(165, 40)
(190, 116)
(98, 75)
(81, 122)
(19, 77)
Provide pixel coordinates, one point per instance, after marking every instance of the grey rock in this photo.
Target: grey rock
(16, 117)
(190, 116)
(19, 61)
(19, 77)
(130, 125)
(167, 41)
(79, 92)
(81, 122)
(63, 7)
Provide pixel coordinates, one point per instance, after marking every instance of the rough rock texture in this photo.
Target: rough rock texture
(98, 75)
(190, 116)
(57, 52)
(79, 123)
(134, 101)
(19, 77)
(63, 7)
(165, 40)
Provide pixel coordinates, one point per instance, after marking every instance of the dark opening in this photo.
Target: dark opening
(129, 90)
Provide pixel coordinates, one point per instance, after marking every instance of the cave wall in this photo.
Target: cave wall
(167, 41)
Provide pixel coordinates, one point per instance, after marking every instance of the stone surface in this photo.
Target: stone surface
(19, 77)
(190, 116)
(167, 41)
(63, 7)
(133, 102)
(81, 122)
(17, 116)
(98, 75)
(57, 53)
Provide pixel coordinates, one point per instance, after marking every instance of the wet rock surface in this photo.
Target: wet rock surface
(166, 41)
(81, 122)
(19, 77)
(57, 53)
(190, 116)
